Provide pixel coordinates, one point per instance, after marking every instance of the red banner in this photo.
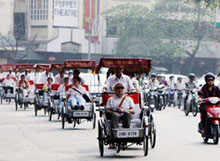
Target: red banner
(91, 26)
(21, 67)
(57, 67)
(86, 64)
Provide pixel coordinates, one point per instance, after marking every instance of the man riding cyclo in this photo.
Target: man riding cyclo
(119, 77)
(208, 90)
(76, 73)
(8, 84)
(75, 95)
(23, 86)
(60, 77)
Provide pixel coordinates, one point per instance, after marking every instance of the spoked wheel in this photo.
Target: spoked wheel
(152, 133)
(16, 102)
(45, 111)
(186, 109)
(63, 119)
(35, 107)
(194, 108)
(100, 139)
(50, 113)
(74, 123)
(118, 148)
(215, 134)
(94, 120)
(205, 139)
(25, 106)
(145, 145)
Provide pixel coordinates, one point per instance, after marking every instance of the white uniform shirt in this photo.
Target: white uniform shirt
(58, 79)
(153, 85)
(72, 92)
(135, 83)
(113, 103)
(180, 85)
(44, 77)
(171, 84)
(112, 80)
(8, 82)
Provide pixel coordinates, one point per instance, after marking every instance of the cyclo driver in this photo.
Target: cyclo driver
(190, 85)
(208, 90)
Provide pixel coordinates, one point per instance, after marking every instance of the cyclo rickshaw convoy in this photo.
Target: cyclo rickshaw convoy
(41, 101)
(9, 95)
(142, 128)
(79, 116)
(20, 98)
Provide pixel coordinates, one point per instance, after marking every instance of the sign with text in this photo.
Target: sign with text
(66, 13)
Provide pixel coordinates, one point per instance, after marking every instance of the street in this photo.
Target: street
(26, 137)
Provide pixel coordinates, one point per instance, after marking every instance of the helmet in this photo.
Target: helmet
(171, 77)
(153, 75)
(209, 75)
(179, 78)
(191, 75)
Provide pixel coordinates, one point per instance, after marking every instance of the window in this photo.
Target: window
(39, 9)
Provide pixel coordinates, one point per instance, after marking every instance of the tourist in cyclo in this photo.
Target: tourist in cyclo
(23, 86)
(62, 91)
(47, 88)
(8, 84)
(75, 95)
(120, 107)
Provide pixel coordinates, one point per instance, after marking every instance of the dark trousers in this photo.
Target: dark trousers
(202, 109)
(8, 88)
(124, 117)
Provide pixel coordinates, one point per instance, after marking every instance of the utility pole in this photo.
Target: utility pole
(90, 29)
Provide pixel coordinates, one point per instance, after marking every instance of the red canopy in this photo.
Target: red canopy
(57, 67)
(21, 67)
(6, 67)
(42, 66)
(83, 64)
(130, 65)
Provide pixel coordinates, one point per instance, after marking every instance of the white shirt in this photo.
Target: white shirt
(113, 103)
(37, 77)
(12, 75)
(62, 90)
(44, 77)
(8, 82)
(153, 85)
(58, 79)
(171, 84)
(180, 85)
(135, 83)
(112, 80)
(72, 92)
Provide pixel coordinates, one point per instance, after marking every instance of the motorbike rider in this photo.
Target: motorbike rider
(179, 84)
(153, 83)
(190, 85)
(208, 90)
(171, 82)
(161, 80)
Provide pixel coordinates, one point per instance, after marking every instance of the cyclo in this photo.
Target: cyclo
(7, 96)
(142, 126)
(20, 98)
(40, 102)
(54, 98)
(79, 116)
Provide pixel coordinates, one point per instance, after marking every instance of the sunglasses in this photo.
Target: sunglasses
(119, 87)
(210, 80)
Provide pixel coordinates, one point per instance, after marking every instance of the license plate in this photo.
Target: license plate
(80, 114)
(127, 133)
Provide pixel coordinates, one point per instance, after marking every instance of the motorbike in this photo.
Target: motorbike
(152, 99)
(161, 98)
(191, 104)
(171, 97)
(212, 125)
(179, 98)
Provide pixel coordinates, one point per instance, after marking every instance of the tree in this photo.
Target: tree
(194, 21)
(209, 3)
(139, 33)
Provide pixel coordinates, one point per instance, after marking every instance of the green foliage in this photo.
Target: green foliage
(159, 33)
(209, 3)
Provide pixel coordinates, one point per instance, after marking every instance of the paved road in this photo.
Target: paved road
(24, 137)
